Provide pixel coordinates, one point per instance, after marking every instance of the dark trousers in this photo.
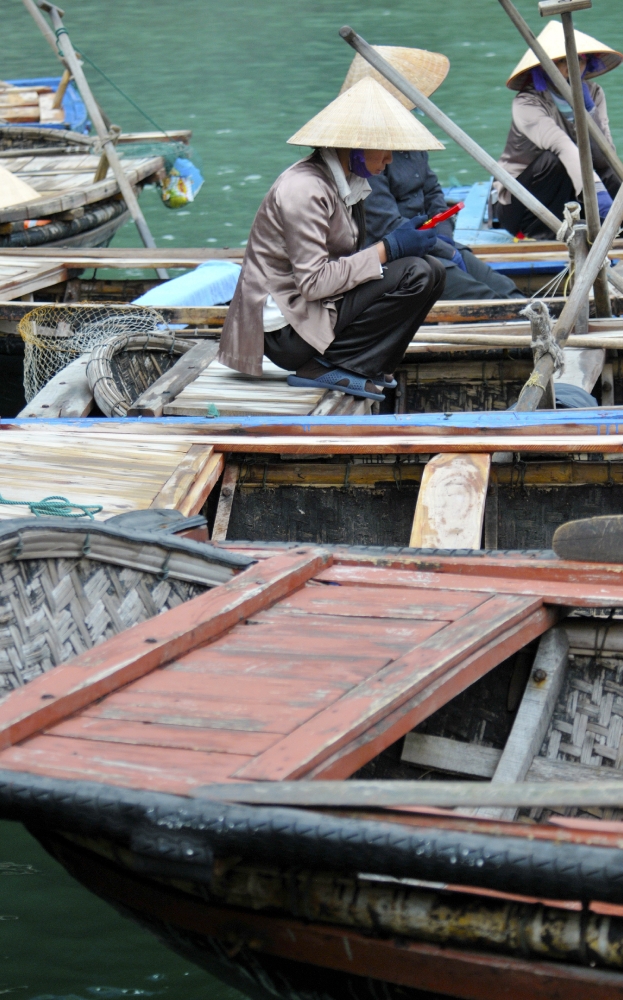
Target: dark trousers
(375, 323)
(479, 281)
(547, 179)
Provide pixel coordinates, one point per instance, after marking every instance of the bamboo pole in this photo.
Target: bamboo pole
(544, 369)
(591, 208)
(561, 85)
(450, 128)
(70, 59)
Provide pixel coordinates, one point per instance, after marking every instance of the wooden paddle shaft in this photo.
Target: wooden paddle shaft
(456, 133)
(562, 85)
(591, 208)
(72, 62)
(544, 369)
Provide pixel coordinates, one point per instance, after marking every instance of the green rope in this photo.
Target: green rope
(55, 507)
(123, 94)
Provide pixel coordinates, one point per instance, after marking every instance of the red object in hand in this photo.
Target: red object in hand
(436, 219)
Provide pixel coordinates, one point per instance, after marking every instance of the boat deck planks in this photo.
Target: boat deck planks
(23, 277)
(235, 394)
(178, 714)
(120, 472)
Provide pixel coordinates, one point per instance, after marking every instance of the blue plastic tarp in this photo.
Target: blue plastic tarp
(210, 284)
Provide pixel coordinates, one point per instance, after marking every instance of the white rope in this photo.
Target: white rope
(543, 341)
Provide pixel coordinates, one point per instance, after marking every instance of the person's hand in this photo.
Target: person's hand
(408, 242)
(604, 203)
(417, 221)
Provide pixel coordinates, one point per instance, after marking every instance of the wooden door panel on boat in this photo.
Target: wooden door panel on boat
(186, 690)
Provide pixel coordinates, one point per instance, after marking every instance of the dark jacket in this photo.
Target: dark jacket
(407, 187)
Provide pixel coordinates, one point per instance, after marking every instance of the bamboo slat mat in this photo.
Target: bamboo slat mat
(119, 471)
(235, 394)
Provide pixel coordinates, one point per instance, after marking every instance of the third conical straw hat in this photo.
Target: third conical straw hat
(366, 117)
(552, 39)
(425, 70)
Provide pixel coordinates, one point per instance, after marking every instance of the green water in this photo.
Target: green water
(244, 75)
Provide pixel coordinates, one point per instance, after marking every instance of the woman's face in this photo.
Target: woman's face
(377, 159)
(564, 69)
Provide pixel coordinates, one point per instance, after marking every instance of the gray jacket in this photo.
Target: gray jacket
(407, 187)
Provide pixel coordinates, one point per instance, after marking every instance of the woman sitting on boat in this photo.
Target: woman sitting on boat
(310, 296)
(541, 150)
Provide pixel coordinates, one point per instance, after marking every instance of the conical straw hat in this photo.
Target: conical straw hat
(552, 39)
(365, 117)
(425, 70)
(13, 190)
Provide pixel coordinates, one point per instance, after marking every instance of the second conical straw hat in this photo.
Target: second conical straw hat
(425, 70)
(365, 116)
(552, 39)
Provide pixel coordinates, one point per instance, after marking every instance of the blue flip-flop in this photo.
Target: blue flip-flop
(386, 383)
(356, 384)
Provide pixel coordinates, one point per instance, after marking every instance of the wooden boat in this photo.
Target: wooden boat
(78, 203)
(169, 771)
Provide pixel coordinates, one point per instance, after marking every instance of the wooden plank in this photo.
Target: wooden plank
(582, 367)
(342, 669)
(185, 370)
(32, 280)
(67, 394)
(87, 727)
(317, 635)
(390, 602)
(183, 477)
(534, 714)
(450, 506)
(418, 794)
(126, 765)
(442, 754)
(225, 502)
(134, 653)
(371, 700)
(203, 485)
(573, 591)
(236, 715)
(321, 444)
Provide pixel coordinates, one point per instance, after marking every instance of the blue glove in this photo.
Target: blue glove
(604, 203)
(417, 221)
(458, 260)
(408, 242)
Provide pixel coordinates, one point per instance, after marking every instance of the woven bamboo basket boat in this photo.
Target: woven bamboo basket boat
(65, 587)
(121, 369)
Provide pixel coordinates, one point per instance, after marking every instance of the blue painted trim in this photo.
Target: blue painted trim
(608, 420)
(515, 268)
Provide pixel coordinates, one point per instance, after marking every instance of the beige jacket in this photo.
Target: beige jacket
(300, 251)
(538, 125)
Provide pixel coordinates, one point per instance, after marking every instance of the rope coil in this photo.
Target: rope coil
(55, 506)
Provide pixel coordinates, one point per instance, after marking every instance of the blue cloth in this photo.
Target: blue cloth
(210, 284)
(458, 260)
(406, 187)
(604, 203)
